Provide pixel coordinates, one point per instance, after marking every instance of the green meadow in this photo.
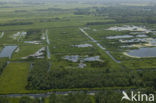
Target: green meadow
(14, 78)
(65, 47)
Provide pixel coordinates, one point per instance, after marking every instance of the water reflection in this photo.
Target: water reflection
(7, 51)
(143, 52)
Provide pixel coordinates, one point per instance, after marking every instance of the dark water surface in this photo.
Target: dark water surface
(143, 52)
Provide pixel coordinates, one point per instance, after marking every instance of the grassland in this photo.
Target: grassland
(62, 23)
(113, 45)
(14, 78)
(26, 50)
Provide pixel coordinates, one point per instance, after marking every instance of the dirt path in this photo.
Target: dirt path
(47, 37)
(99, 45)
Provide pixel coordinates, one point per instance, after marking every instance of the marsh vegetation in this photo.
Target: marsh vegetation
(47, 47)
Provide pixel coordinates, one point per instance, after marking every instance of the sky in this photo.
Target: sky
(78, 1)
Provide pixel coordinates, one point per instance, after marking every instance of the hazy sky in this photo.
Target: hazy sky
(78, 0)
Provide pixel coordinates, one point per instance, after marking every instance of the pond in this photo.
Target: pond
(148, 40)
(38, 54)
(72, 58)
(129, 28)
(76, 58)
(33, 42)
(83, 45)
(143, 52)
(119, 37)
(141, 36)
(7, 51)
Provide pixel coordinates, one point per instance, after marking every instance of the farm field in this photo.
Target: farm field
(84, 51)
(16, 76)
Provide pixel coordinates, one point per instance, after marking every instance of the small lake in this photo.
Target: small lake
(119, 37)
(77, 58)
(83, 45)
(130, 28)
(141, 36)
(143, 52)
(7, 51)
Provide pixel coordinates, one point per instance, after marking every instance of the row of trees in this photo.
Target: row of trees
(106, 96)
(102, 97)
(20, 100)
(100, 23)
(16, 23)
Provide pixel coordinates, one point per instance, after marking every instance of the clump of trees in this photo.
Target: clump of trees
(34, 34)
(4, 100)
(70, 98)
(61, 78)
(30, 100)
(40, 78)
(85, 11)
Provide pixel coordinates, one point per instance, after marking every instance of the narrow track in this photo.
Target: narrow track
(99, 45)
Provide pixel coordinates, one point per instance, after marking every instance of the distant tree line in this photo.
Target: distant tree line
(50, 20)
(122, 14)
(85, 11)
(100, 23)
(16, 23)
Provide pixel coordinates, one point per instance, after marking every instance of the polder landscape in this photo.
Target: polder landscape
(75, 51)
